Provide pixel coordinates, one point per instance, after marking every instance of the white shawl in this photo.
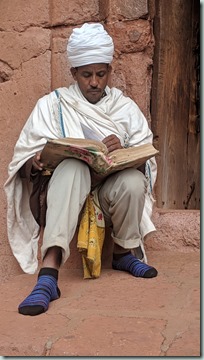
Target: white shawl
(113, 114)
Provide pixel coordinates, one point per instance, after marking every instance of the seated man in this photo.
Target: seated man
(56, 201)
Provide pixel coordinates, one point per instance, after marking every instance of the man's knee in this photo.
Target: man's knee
(132, 181)
(73, 167)
(71, 171)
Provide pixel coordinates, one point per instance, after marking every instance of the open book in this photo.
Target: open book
(95, 154)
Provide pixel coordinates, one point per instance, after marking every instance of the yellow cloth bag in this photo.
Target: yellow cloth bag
(91, 237)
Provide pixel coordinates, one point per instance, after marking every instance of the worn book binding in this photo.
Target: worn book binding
(95, 154)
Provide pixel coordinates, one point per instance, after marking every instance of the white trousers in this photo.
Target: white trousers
(121, 197)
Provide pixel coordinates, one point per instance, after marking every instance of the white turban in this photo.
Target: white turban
(90, 44)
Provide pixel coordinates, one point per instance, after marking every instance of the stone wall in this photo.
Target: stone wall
(33, 39)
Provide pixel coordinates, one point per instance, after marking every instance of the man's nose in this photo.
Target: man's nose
(94, 81)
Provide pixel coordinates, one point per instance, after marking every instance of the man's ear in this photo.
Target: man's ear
(73, 72)
(109, 75)
(109, 69)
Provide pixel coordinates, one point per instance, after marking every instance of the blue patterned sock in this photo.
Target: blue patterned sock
(134, 266)
(45, 290)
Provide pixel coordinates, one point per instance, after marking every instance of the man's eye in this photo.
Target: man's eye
(86, 75)
(101, 74)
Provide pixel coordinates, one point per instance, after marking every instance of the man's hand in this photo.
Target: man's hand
(112, 143)
(37, 164)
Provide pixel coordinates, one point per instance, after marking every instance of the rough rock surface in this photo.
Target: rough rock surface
(33, 61)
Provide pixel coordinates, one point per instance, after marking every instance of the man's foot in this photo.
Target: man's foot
(128, 262)
(45, 291)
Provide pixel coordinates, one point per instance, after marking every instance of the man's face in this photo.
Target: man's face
(92, 80)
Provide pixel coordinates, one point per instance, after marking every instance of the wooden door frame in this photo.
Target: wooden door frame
(174, 103)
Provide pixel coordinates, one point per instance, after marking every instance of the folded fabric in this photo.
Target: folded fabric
(90, 44)
(91, 237)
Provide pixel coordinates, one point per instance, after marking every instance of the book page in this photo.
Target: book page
(90, 151)
(80, 143)
(133, 153)
(132, 156)
(90, 134)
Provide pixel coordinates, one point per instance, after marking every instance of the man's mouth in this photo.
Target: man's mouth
(94, 90)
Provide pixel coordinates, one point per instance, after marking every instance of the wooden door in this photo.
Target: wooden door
(175, 103)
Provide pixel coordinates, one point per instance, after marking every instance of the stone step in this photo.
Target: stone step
(177, 230)
(114, 315)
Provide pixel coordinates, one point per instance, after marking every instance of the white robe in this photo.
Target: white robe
(113, 114)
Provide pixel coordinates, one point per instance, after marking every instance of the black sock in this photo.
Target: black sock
(48, 271)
